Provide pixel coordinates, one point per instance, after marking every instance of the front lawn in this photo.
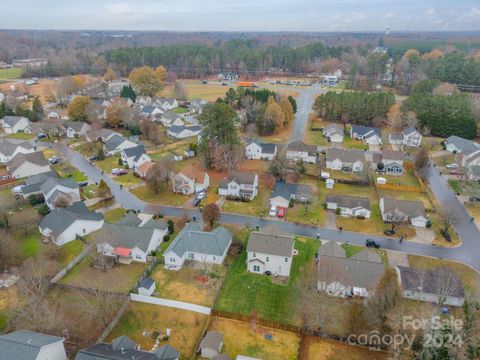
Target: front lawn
(256, 207)
(312, 213)
(240, 338)
(165, 197)
(21, 135)
(141, 320)
(455, 185)
(114, 215)
(89, 191)
(244, 292)
(67, 171)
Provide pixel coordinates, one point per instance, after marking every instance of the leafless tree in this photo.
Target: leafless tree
(63, 201)
(211, 215)
(449, 217)
(228, 157)
(8, 249)
(180, 91)
(422, 161)
(7, 205)
(446, 284)
(100, 304)
(156, 177)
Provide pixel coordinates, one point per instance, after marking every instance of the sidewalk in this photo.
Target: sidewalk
(170, 303)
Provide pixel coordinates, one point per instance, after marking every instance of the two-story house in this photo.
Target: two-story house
(239, 184)
(135, 156)
(74, 129)
(30, 345)
(11, 147)
(15, 124)
(25, 165)
(260, 151)
(191, 180)
(345, 160)
(389, 162)
(299, 151)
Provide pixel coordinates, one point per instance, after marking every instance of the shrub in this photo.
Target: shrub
(291, 203)
(43, 210)
(338, 211)
(101, 154)
(360, 217)
(429, 224)
(171, 226)
(380, 166)
(120, 162)
(324, 205)
(154, 253)
(166, 238)
(36, 199)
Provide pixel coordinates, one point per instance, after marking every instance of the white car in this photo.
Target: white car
(452, 166)
(273, 211)
(201, 194)
(18, 189)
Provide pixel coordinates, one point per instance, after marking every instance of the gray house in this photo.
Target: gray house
(392, 162)
(30, 345)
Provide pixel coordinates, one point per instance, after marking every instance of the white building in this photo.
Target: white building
(30, 345)
(182, 132)
(74, 129)
(15, 124)
(239, 184)
(345, 160)
(191, 180)
(25, 165)
(193, 244)
(134, 157)
(116, 143)
(260, 151)
(403, 211)
(334, 133)
(54, 189)
(11, 147)
(349, 205)
(299, 151)
(369, 135)
(270, 250)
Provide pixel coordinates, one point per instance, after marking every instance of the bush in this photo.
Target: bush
(444, 147)
(36, 199)
(338, 211)
(101, 154)
(291, 203)
(126, 166)
(166, 238)
(429, 224)
(360, 217)
(154, 253)
(171, 226)
(324, 205)
(120, 162)
(43, 210)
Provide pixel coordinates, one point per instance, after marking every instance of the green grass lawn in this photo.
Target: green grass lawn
(180, 110)
(349, 143)
(101, 204)
(111, 163)
(113, 216)
(407, 179)
(89, 149)
(66, 171)
(257, 207)
(164, 197)
(90, 191)
(351, 250)
(313, 213)
(30, 243)
(455, 185)
(243, 292)
(21, 135)
(69, 251)
(316, 138)
(13, 73)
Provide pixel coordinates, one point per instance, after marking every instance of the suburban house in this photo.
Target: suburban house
(5, 177)
(197, 105)
(369, 135)
(342, 276)
(193, 244)
(349, 205)
(403, 211)
(239, 184)
(74, 129)
(15, 124)
(171, 118)
(260, 151)
(270, 250)
(182, 132)
(116, 143)
(191, 180)
(25, 165)
(392, 162)
(345, 160)
(54, 189)
(11, 147)
(411, 137)
(152, 111)
(435, 286)
(211, 344)
(299, 151)
(456, 144)
(147, 221)
(143, 169)
(283, 193)
(135, 156)
(167, 103)
(124, 348)
(334, 133)
(33, 184)
(30, 345)
(62, 225)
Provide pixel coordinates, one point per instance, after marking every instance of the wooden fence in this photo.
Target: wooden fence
(114, 321)
(71, 264)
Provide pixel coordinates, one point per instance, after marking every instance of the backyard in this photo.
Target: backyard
(141, 320)
(315, 137)
(315, 348)
(243, 292)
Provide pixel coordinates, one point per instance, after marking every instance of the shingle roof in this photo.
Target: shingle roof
(349, 202)
(130, 219)
(364, 130)
(464, 145)
(19, 159)
(12, 120)
(281, 245)
(268, 148)
(409, 131)
(146, 283)
(393, 155)
(61, 218)
(193, 239)
(170, 115)
(77, 126)
(136, 152)
(177, 129)
(194, 173)
(240, 177)
(8, 147)
(345, 156)
(53, 182)
(300, 146)
(211, 340)
(429, 281)
(222, 357)
(113, 142)
(34, 183)
(125, 236)
(286, 190)
(409, 207)
(332, 248)
(24, 344)
(155, 224)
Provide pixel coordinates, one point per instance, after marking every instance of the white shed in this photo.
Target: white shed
(329, 183)
(146, 286)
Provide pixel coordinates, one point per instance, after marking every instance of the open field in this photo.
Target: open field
(322, 349)
(14, 73)
(185, 284)
(186, 327)
(240, 338)
(195, 89)
(243, 292)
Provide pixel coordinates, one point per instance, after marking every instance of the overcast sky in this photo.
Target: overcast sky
(241, 15)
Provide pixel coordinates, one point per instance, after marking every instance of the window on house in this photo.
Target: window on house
(267, 259)
(286, 259)
(84, 231)
(256, 268)
(172, 259)
(254, 254)
(191, 256)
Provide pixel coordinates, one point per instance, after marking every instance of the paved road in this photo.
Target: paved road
(467, 253)
(304, 108)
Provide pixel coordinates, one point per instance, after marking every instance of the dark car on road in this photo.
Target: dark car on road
(372, 243)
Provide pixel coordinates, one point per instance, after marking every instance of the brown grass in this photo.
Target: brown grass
(321, 349)
(186, 327)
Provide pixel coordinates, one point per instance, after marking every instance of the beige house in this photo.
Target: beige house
(191, 180)
(25, 165)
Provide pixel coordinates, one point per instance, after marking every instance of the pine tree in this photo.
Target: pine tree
(37, 110)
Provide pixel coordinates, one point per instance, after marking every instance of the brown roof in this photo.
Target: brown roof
(349, 201)
(301, 146)
(348, 156)
(19, 159)
(393, 155)
(146, 166)
(194, 173)
(409, 207)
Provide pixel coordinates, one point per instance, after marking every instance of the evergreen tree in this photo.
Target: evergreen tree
(37, 110)
(128, 93)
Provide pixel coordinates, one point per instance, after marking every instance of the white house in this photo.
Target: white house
(193, 244)
(30, 345)
(403, 211)
(166, 103)
(434, 286)
(25, 165)
(392, 162)
(182, 132)
(456, 144)
(133, 157)
(15, 124)
(116, 143)
(411, 137)
(191, 180)
(74, 129)
(170, 118)
(369, 135)
(349, 205)
(334, 133)
(283, 193)
(11, 147)
(239, 184)
(270, 250)
(62, 225)
(260, 151)
(152, 112)
(299, 151)
(197, 105)
(54, 189)
(345, 160)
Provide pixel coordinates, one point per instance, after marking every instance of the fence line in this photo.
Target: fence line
(71, 264)
(114, 321)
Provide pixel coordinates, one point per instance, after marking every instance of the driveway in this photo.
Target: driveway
(331, 220)
(397, 258)
(423, 236)
(304, 108)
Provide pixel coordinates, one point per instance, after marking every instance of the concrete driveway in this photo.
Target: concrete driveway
(424, 236)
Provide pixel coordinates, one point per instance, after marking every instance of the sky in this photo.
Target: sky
(243, 15)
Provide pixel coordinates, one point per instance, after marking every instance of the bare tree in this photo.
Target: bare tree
(7, 204)
(228, 157)
(449, 217)
(8, 249)
(100, 304)
(422, 161)
(211, 214)
(180, 91)
(156, 177)
(63, 201)
(446, 284)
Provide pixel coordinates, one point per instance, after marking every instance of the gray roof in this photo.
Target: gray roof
(268, 148)
(60, 219)
(396, 136)
(136, 152)
(364, 130)
(35, 182)
(349, 202)
(211, 340)
(240, 177)
(8, 146)
(222, 357)
(19, 159)
(52, 182)
(345, 156)
(77, 126)
(177, 129)
(12, 120)
(117, 235)
(170, 115)
(430, 281)
(148, 109)
(409, 131)
(300, 146)
(130, 219)
(365, 269)
(24, 344)
(464, 145)
(193, 239)
(114, 142)
(155, 224)
(146, 283)
(281, 245)
(409, 207)
(286, 190)
(393, 155)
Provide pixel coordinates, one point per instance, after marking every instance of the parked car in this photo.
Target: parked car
(82, 183)
(455, 172)
(54, 159)
(204, 82)
(118, 171)
(273, 211)
(93, 158)
(201, 194)
(224, 84)
(372, 243)
(452, 166)
(475, 198)
(41, 136)
(18, 189)
(281, 212)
